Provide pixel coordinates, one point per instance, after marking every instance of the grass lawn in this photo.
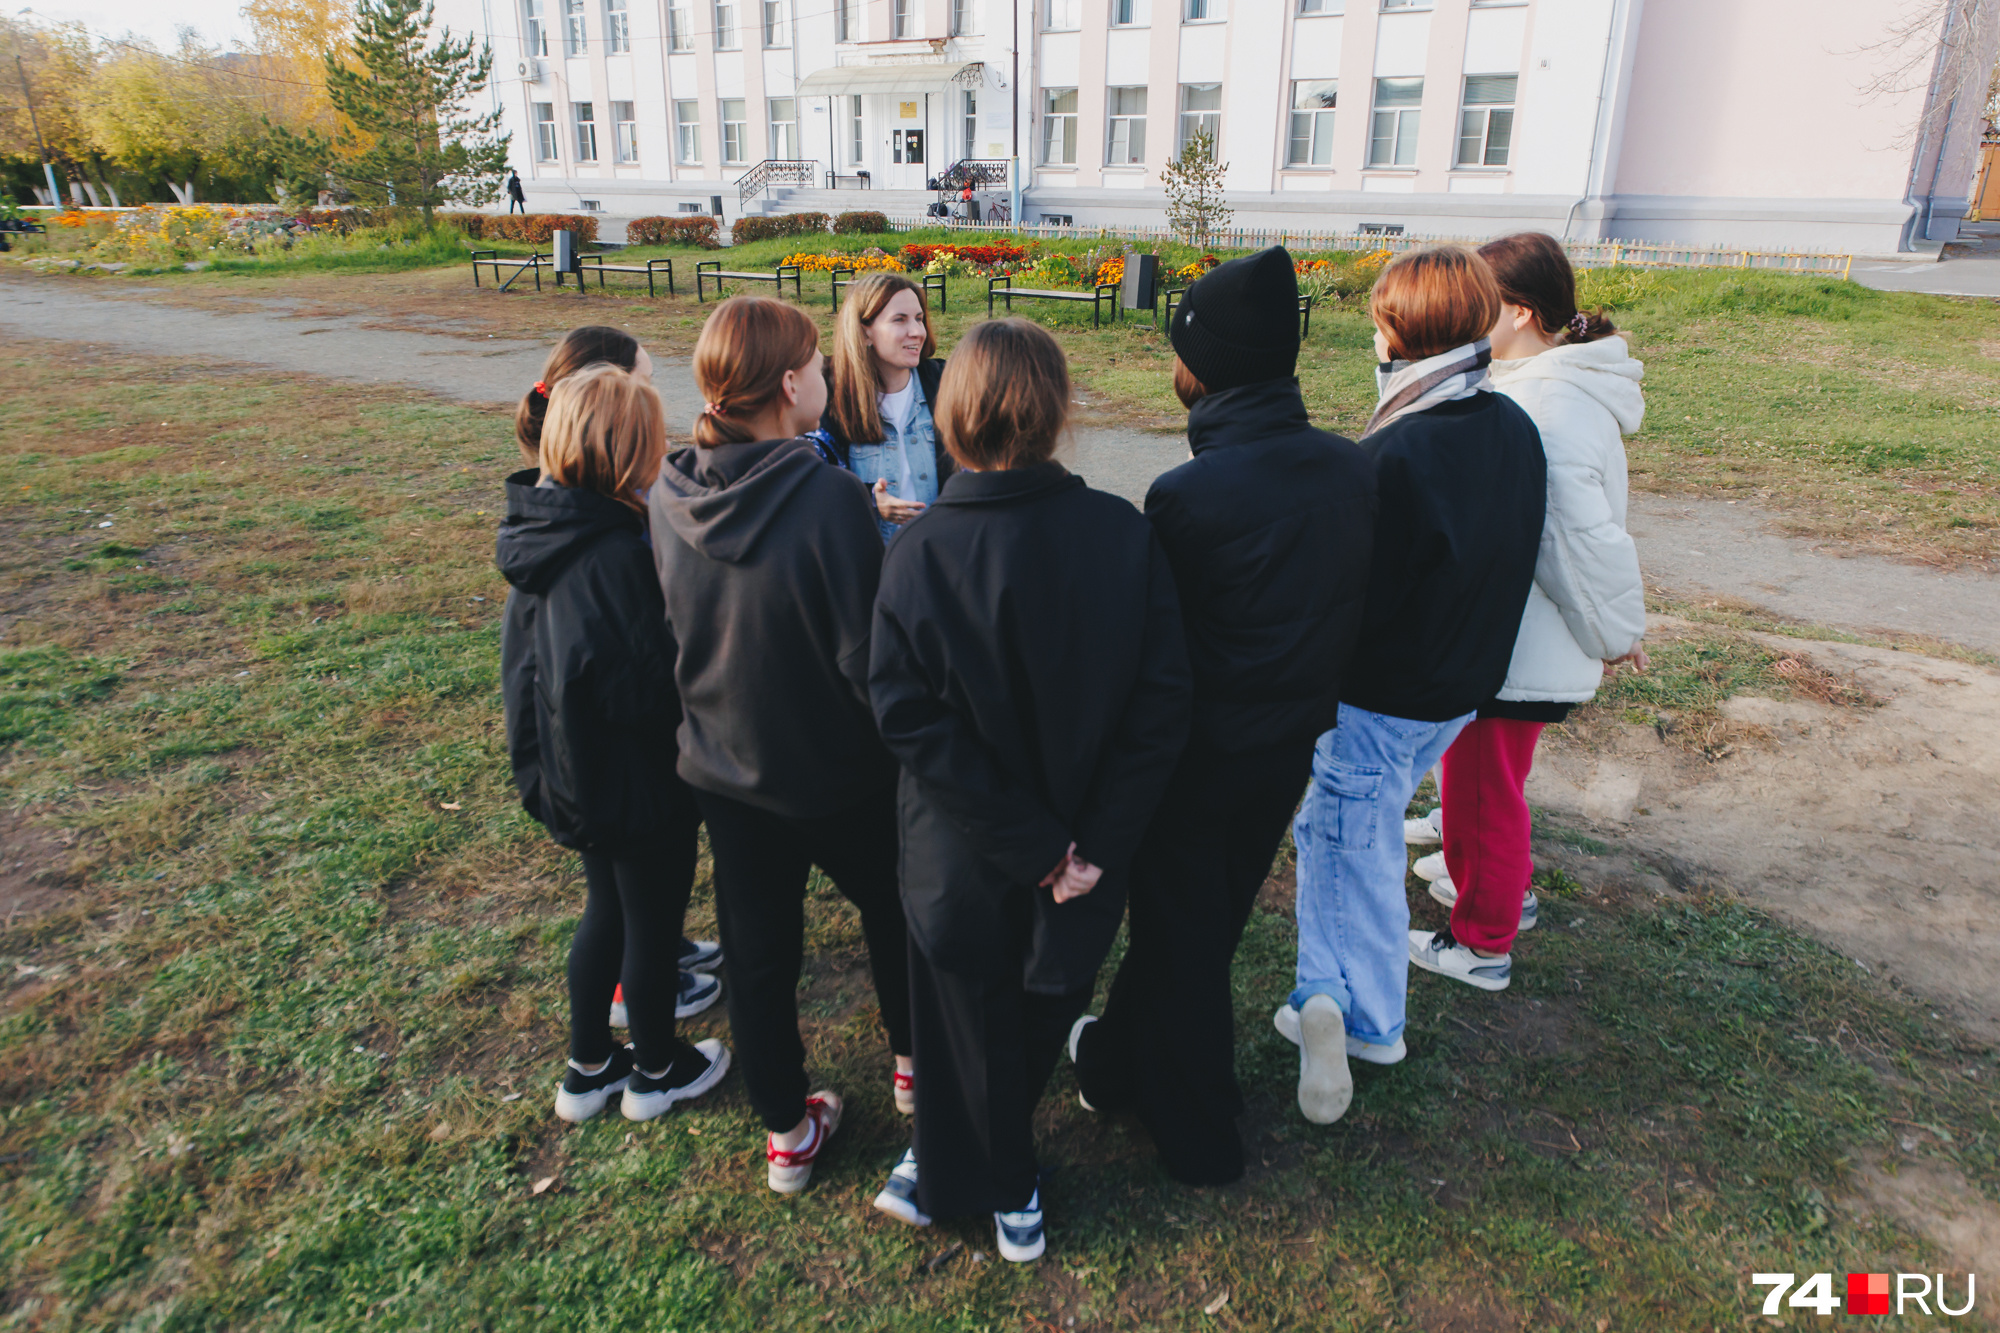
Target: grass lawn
(283, 1001)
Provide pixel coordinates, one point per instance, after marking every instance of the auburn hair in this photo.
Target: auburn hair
(1429, 301)
(1534, 273)
(740, 362)
(579, 347)
(605, 432)
(1004, 398)
(1186, 387)
(854, 376)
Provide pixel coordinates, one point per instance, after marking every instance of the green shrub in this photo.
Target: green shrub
(472, 224)
(873, 223)
(746, 230)
(537, 228)
(696, 229)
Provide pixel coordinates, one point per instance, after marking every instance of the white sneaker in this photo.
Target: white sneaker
(1020, 1234)
(1422, 832)
(899, 1196)
(1286, 1020)
(1430, 867)
(646, 1096)
(1326, 1084)
(1075, 1036)
(1438, 952)
(1446, 892)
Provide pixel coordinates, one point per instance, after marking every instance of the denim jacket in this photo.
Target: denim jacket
(875, 462)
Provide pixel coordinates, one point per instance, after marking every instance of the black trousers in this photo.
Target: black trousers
(516, 206)
(761, 863)
(1165, 1047)
(630, 933)
(985, 1049)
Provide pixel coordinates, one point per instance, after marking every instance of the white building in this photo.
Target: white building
(1768, 123)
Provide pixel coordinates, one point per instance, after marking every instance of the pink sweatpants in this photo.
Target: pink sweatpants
(1486, 829)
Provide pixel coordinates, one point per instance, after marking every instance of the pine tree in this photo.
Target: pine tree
(1193, 180)
(407, 135)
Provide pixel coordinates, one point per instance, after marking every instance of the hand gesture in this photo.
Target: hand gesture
(1637, 657)
(1073, 877)
(893, 509)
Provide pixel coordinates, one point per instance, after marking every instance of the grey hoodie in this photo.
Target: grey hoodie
(769, 561)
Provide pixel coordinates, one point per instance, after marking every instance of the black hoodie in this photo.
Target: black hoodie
(769, 561)
(586, 668)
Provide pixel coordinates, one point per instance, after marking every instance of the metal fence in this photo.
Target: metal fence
(1583, 254)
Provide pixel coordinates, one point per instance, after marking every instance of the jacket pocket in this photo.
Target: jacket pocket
(1344, 812)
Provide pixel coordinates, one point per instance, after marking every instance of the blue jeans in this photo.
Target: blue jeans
(1353, 918)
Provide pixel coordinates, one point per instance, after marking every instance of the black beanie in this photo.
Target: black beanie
(1239, 323)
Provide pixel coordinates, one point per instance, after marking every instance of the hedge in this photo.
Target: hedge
(685, 229)
(784, 224)
(534, 228)
(864, 222)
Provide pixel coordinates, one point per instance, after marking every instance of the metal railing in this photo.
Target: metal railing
(973, 171)
(773, 171)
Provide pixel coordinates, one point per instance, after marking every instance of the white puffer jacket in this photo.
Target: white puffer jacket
(1588, 603)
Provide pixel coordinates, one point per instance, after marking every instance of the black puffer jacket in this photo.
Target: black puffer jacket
(1268, 528)
(586, 668)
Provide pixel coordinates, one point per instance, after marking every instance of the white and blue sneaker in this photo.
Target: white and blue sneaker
(899, 1196)
(1286, 1020)
(1422, 832)
(1438, 952)
(1021, 1236)
(1446, 892)
(697, 991)
(700, 955)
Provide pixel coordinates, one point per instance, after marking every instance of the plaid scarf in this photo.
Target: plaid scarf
(1413, 386)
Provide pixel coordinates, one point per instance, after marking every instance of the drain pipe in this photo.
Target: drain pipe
(1910, 232)
(1591, 184)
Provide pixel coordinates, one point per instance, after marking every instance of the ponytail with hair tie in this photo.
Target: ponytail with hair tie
(1578, 327)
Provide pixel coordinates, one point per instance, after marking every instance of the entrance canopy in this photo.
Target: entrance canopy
(863, 79)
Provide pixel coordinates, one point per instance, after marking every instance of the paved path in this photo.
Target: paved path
(1688, 546)
(1971, 267)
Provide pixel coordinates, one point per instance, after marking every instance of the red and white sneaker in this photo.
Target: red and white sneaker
(906, 1092)
(791, 1171)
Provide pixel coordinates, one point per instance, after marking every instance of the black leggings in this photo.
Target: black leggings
(631, 934)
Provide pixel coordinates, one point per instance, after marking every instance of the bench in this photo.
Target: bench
(1004, 288)
(706, 269)
(932, 282)
(494, 260)
(834, 178)
(1173, 298)
(595, 264)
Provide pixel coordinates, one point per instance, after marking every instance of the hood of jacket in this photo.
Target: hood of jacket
(722, 501)
(549, 526)
(1604, 370)
(1252, 411)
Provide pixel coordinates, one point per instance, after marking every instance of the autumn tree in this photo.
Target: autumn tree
(57, 61)
(292, 40)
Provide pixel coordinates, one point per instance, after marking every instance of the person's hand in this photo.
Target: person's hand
(893, 509)
(1637, 657)
(1080, 878)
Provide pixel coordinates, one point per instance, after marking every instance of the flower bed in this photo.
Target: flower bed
(989, 253)
(823, 263)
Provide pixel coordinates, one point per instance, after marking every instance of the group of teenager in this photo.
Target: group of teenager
(867, 622)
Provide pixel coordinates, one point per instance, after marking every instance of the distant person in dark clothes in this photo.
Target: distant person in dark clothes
(517, 200)
(1459, 485)
(1268, 529)
(587, 663)
(1029, 671)
(769, 561)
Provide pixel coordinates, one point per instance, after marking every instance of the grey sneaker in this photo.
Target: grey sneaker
(1326, 1084)
(1020, 1234)
(1438, 952)
(1286, 1020)
(1446, 892)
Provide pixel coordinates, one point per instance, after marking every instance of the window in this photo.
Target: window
(617, 28)
(1061, 15)
(968, 111)
(774, 23)
(538, 36)
(784, 128)
(855, 141)
(1201, 109)
(1312, 123)
(1124, 13)
(1126, 145)
(1322, 7)
(846, 28)
(687, 131)
(625, 132)
(1392, 138)
(680, 28)
(576, 38)
(735, 129)
(545, 131)
(1059, 126)
(1201, 11)
(725, 26)
(903, 18)
(963, 20)
(1486, 124)
(1389, 6)
(1058, 220)
(585, 116)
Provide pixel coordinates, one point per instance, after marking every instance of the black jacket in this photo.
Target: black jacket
(1460, 490)
(769, 559)
(586, 667)
(1029, 671)
(929, 372)
(1268, 528)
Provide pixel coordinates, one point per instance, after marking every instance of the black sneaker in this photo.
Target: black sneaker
(580, 1096)
(698, 991)
(694, 1071)
(700, 955)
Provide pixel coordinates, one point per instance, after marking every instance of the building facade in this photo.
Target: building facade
(1779, 123)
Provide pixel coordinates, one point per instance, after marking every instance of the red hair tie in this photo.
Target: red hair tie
(541, 388)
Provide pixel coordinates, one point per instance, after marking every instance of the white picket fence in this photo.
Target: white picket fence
(1583, 254)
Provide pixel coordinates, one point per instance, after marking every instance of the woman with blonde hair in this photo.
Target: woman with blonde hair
(769, 560)
(882, 393)
(588, 670)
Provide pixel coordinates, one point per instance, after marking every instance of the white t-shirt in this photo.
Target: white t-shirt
(898, 408)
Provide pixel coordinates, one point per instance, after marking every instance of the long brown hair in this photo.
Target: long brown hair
(579, 347)
(605, 432)
(1004, 399)
(1534, 273)
(854, 377)
(740, 362)
(1429, 301)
